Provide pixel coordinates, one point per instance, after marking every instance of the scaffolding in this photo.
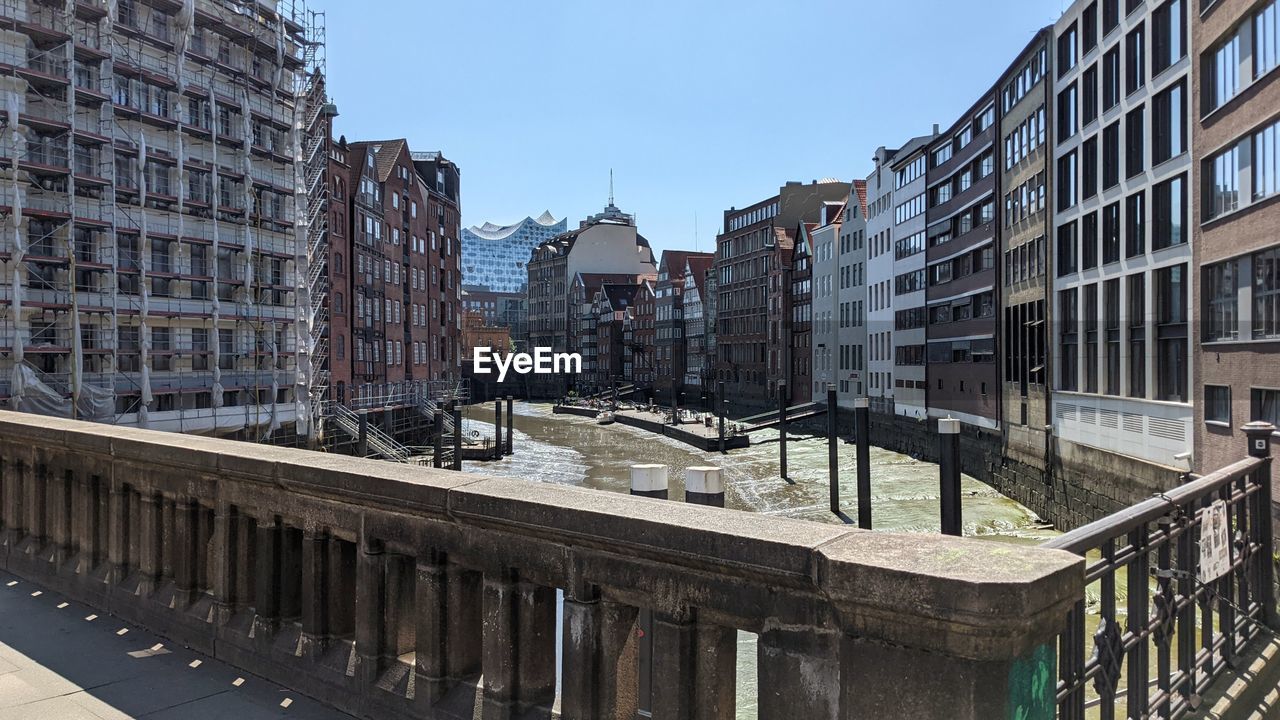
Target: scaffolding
(155, 240)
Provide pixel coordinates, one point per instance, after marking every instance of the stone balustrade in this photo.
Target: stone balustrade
(392, 591)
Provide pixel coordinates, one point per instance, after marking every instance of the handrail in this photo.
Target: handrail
(1091, 536)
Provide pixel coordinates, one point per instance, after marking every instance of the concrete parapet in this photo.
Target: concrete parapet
(395, 591)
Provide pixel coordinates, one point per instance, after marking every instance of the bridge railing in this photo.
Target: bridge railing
(395, 591)
(1193, 621)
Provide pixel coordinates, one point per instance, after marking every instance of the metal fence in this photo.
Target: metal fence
(1179, 614)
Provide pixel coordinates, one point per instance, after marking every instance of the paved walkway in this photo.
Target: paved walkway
(60, 660)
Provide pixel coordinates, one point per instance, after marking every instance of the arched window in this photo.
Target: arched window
(337, 264)
(339, 303)
(342, 347)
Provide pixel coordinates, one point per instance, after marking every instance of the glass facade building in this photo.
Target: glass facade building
(494, 256)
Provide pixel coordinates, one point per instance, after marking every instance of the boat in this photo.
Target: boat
(604, 418)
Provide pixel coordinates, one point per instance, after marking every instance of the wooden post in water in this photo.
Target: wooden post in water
(457, 436)
(862, 418)
(782, 430)
(721, 408)
(833, 450)
(437, 430)
(498, 445)
(949, 471)
(362, 441)
(511, 443)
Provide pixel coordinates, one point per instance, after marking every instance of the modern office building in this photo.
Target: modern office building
(502, 309)
(849, 307)
(157, 253)
(1235, 96)
(494, 256)
(1025, 223)
(747, 252)
(896, 332)
(1122, 246)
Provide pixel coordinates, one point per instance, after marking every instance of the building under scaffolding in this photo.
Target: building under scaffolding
(162, 209)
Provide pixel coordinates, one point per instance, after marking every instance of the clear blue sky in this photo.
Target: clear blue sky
(696, 105)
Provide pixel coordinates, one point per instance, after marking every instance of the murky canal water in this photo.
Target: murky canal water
(577, 451)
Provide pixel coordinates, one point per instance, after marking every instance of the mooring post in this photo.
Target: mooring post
(675, 407)
(949, 471)
(498, 445)
(511, 443)
(437, 431)
(457, 436)
(362, 441)
(1259, 436)
(649, 480)
(862, 429)
(782, 430)
(704, 485)
(833, 450)
(721, 408)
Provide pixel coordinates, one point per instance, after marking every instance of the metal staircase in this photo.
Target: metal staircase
(379, 442)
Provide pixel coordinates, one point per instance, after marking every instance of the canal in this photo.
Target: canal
(904, 491)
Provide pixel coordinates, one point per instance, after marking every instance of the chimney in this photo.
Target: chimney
(935, 130)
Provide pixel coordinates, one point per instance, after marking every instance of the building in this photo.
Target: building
(778, 298)
(499, 308)
(495, 255)
(1234, 50)
(613, 305)
(960, 278)
(584, 303)
(874, 321)
(1025, 110)
(1121, 243)
(159, 256)
(639, 338)
(797, 351)
(897, 331)
(824, 328)
(405, 256)
(605, 243)
(478, 333)
(747, 252)
(669, 320)
(697, 303)
(850, 300)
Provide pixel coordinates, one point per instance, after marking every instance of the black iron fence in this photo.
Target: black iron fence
(1188, 618)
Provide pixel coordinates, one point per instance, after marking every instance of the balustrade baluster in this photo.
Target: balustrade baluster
(1138, 658)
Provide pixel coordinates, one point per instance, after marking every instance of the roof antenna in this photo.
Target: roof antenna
(610, 186)
(696, 246)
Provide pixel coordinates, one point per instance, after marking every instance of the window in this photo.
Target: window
(1169, 39)
(1111, 328)
(1110, 15)
(1223, 74)
(1169, 213)
(1111, 78)
(1066, 249)
(1171, 334)
(1217, 404)
(1224, 183)
(1067, 113)
(1137, 335)
(1068, 349)
(1266, 294)
(1168, 124)
(1089, 241)
(1220, 293)
(1089, 93)
(1135, 60)
(1135, 224)
(1134, 149)
(1089, 168)
(1266, 39)
(1066, 50)
(1111, 156)
(1067, 181)
(1264, 404)
(1089, 29)
(1266, 160)
(1111, 233)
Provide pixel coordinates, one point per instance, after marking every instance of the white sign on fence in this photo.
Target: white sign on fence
(1215, 543)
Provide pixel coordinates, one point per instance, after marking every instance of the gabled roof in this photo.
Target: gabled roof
(697, 266)
(620, 296)
(860, 188)
(385, 154)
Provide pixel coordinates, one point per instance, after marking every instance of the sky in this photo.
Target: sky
(695, 105)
